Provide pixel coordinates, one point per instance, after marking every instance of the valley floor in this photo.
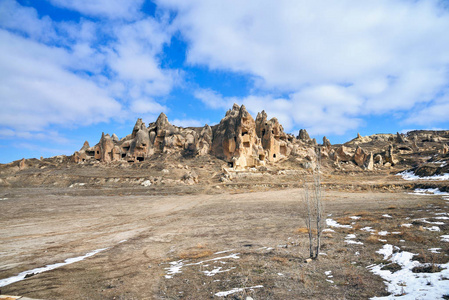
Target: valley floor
(230, 244)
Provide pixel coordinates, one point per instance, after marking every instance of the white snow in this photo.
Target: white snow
(433, 228)
(348, 240)
(435, 191)
(355, 217)
(146, 183)
(176, 266)
(1, 199)
(369, 229)
(383, 233)
(407, 225)
(409, 175)
(216, 271)
(386, 251)
(445, 238)
(21, 276)
(429, 222)
(404, 281)
(328, 230)
(76, 184)
(435, 250)
(236, 290)
(387, 216)
(333, 223)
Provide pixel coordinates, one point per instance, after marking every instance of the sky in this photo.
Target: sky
(72, 69)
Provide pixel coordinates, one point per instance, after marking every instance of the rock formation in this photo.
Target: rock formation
(243, 142)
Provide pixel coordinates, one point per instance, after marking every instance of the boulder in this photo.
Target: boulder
(369, 162)
(390, 157)
(378, 160)
(344, 153)
(360, 156)
(190, 178)
(426, 170)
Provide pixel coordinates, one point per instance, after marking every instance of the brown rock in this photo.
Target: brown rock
(360, 156)
(344, 153)
(22, 164)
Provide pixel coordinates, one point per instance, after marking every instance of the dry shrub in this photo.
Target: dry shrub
(356, 226)
(344, 220)
(372, 239)
(327, 235)
(362, 213)
(392, 207)
(281, 260)
(341, 250)
(194, 254)
(410, 236)
(304, 230)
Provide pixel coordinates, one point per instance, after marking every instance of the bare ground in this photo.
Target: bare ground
(41, 226)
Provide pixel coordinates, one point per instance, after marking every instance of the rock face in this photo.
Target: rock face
(238, 139)
(243, 142)
(235, 139)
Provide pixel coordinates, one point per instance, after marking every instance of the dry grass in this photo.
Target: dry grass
(303, 230)
(373, 239)
(199, 252)
(281, 260)
(344, 220)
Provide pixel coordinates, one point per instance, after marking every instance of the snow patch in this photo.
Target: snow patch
(409, 175)
(333, 223)
(407, 284)
(429, 191)
(146, 183)
(368, 229)
(433, 228)
(23, 275)
(236, 290)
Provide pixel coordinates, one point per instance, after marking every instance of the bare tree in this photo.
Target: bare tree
(313, 208)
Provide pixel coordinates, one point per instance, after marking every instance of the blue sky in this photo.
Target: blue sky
(71, 69)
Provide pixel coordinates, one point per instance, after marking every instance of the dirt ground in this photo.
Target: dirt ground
(147, 234)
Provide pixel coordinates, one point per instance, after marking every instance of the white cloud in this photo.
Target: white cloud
(114, 9)
(319, 109)
(437, 113)
(146, 106)
(36, 89)
(213, 99)
(379, 57)
(188, 123)
(25, 20)
(74, 74)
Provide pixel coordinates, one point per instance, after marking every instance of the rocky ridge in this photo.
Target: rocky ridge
(243, 142)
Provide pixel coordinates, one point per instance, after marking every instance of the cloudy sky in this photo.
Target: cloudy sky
(71, 69)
